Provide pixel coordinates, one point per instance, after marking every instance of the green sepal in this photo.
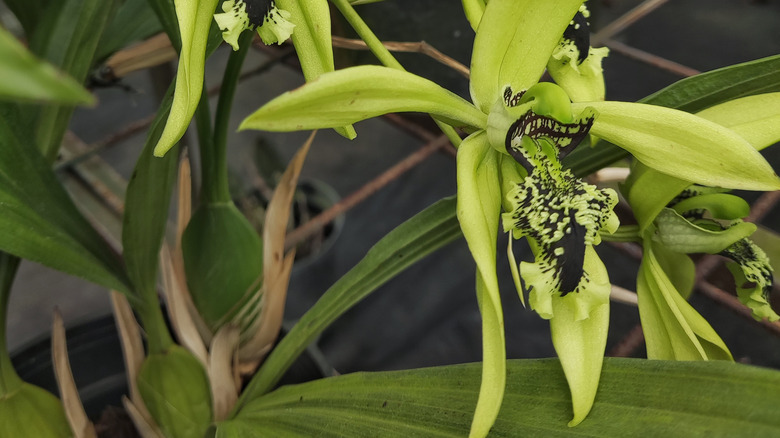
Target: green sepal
(195, 17)
(680, 235)
(513, 44)
(673, 329)
(474, 10)
(175, 389)
(30, 411)
(478, 209)
(755, 118)
(223, 261)
(649, 191)
(353, 94)
(683, 145)
(720, 205)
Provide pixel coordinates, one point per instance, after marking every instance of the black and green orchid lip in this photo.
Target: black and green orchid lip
(257, 10)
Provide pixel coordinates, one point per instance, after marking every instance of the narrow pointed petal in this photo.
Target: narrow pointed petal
(312, 41)
(513, 44)
(353, 94)
(194, 22)
(673, 329)
(683, 145)
(478, 209)
(754, 118)
(580, 343)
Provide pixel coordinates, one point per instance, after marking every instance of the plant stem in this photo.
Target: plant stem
(213, 179)
(624, 233)
(222, 116)
(9, 380)
(384, 55)
(158, 337)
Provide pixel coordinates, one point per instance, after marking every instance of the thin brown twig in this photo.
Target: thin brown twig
(626, 20)
(649, 58)
(413, 47)
(318, 222)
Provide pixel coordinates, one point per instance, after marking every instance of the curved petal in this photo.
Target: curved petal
(194, 23)
(682, 145)
(479, 206)
(353, 94)
(513, 44)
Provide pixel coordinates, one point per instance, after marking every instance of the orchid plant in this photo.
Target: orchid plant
(225, 285)
(519, 130)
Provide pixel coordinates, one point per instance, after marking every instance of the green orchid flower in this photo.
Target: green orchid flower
(677, 218)
(519, 130)
(308, 22)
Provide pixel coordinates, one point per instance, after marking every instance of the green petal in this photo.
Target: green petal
(313, 42)
(582, 82)
(720, 205)
(673, 329)
(478, 209)
(194, 22)
(347, 96)
(683, 145)
(649, 192)
(580, 344)
(680, 235)
(474, 10)
(513, 43)
(754, 118)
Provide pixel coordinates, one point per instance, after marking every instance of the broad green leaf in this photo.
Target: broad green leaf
(474, 10)
(312, 41)
(637, 398)
(146, 208)
(67, 36)
(424, 233)
(513, 44)
(479, 208)
(682, 145)
(692, 95)
(135, 20)
(353, 94)
(580, 344)
(23, 77)
(194, 19)
(678, 234)
(754, 118)
(41, 223)
(673, 329)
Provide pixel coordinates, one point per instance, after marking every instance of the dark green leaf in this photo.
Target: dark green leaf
(28, 12)
(691, 94)
(40, 222)
(636, 398)
(134, 21)
(424, 233)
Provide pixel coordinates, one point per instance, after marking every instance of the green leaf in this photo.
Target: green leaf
(42, 224)
(353, 94)
(678, 234)
(166, 15)
(312, 41)
(67, 36)
(134, 21)
(514, 41)
(692, 95)
(195, 19)
(28, 12)
(682, 145)
(424, 233)
(637, 398)
(479, 208)
(673, 329)
(754, 118)
(27, 78)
